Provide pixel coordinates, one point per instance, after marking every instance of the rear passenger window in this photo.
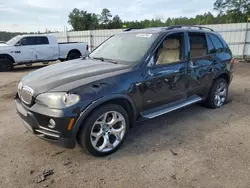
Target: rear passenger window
(198, 45)
(217, 43)
(210, 46)
(42, 40)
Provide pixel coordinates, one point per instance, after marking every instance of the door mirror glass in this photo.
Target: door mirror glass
(151, 60)
(18, 43)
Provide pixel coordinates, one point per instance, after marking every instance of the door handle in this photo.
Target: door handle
(193, 66)
(165, 72)
(150, 85)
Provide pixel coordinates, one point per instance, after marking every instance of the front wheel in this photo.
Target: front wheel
(218, 94)
(104, 130)
(6, 65)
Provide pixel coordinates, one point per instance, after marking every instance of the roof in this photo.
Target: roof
(171, 28)
(34, 35)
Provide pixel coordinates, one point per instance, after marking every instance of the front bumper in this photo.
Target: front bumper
(38, 125)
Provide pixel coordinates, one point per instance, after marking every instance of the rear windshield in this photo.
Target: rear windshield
(128, 48)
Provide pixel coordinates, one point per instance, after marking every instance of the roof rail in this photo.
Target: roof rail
(127, 29)
(189, 26)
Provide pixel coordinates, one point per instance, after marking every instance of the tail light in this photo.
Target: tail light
(87, 47)
(232, 61)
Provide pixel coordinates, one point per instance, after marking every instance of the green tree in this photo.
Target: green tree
(230, 11)
(105, 16)
(116, 22)
(95, 21)
(82, 20)
(236, 10)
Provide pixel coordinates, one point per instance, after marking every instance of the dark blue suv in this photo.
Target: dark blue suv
(133, 76)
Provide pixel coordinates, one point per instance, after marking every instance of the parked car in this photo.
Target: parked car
(28, 49)
(133, 76)
(2, 42)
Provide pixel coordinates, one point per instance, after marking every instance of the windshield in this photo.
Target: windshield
(126, 48)
(13, 41)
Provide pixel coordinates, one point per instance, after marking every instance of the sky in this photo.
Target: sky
(39, 15)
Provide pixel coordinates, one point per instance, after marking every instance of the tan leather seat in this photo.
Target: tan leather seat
(197, 50)
(170, 52)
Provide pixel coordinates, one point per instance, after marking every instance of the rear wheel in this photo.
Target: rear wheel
(218, 94)
(104, 130)
(5, 64)
(73, 55)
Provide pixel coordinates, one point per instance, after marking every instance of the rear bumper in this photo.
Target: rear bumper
(30, 121)
(231, 77)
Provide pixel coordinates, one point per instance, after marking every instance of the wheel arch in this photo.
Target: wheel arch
(8, 57)
(121, 99)
(73, 50)
(224, 75)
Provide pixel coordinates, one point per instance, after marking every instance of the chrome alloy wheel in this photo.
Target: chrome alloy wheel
(220, 94)
(108, 131)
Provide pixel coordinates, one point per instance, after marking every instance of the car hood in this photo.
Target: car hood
(60, 74)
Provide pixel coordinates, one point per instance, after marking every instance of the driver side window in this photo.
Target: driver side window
(171, 50)
(28, 41)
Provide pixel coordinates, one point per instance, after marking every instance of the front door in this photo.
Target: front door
(25, 50)
(165, 84)
(166, 76)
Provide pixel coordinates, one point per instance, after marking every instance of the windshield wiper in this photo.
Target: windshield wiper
(106, 60)
(99, 58)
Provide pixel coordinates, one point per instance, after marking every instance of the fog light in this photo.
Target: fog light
(52, 124)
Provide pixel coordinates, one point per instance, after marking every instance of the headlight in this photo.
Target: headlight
(20, 85)
(57, 100)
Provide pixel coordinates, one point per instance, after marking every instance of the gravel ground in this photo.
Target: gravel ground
(191, 147)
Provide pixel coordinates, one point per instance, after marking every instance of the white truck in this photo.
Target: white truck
(28, 49)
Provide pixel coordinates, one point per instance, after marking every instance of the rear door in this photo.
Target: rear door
(46, 51)
(222, 54)
(201, 63)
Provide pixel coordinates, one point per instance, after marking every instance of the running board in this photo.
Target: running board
(155, 112)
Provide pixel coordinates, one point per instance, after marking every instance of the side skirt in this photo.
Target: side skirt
(155, 112)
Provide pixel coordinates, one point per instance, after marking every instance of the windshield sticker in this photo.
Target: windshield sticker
(144, 35)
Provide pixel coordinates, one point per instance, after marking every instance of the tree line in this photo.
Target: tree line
(5, 36)
(229, 11)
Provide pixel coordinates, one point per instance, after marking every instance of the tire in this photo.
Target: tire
(6, 65)
(73, 55)
(98, 138)
(218, 89)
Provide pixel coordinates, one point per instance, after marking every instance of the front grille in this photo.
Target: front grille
(25, 94)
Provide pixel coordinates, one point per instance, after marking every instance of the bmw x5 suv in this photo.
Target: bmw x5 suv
(133, 76)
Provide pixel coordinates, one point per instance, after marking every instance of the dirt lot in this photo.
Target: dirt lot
(210, 147)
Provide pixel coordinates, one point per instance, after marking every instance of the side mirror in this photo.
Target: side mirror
(18, 44)
(150, 60)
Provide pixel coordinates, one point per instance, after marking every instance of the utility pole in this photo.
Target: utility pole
(245, 40)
